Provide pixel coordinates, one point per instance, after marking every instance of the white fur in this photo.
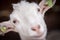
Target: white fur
(28, 16)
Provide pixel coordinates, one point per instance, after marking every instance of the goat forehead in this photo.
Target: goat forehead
(25, 8)
(28, 11)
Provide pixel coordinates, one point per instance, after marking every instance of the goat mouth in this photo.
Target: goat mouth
(38, 36)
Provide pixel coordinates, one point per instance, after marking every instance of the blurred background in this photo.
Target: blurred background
(52, 19)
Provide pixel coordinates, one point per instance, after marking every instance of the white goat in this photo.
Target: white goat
(28, 20)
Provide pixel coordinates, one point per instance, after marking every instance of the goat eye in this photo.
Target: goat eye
(38, 10)
(14, 21)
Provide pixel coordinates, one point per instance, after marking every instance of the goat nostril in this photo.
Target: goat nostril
(36, 28)
(33, 29)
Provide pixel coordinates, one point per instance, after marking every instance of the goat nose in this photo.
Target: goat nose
(36, 28)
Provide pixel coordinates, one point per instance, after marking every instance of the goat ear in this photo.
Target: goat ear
(45, 5)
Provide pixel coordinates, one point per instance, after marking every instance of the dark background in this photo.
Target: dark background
(52, 18)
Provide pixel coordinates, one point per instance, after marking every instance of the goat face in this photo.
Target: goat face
(28, 19)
